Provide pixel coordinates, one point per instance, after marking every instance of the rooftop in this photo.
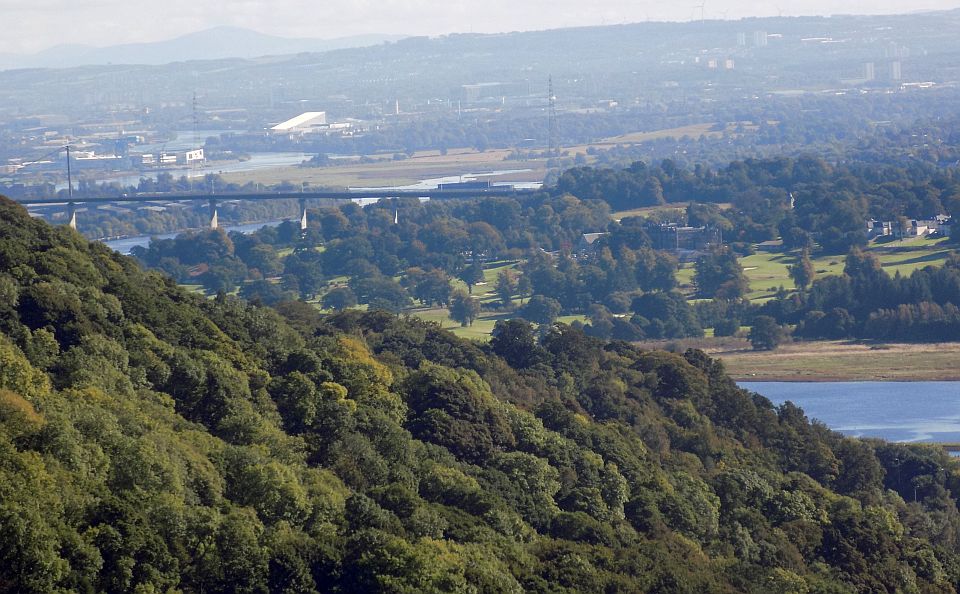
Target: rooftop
(302, 120)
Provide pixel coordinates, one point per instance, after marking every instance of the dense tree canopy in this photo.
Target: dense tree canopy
(152, 439)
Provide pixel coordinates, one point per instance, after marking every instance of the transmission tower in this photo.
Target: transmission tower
(196, 121)
(193, 142)
(553, 142)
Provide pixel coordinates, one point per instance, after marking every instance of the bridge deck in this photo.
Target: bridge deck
(434, 194)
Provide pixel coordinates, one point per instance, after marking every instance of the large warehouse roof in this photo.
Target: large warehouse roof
(304, 120)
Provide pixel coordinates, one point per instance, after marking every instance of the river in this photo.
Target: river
(895, 411)
(128, 243)
(434, 182)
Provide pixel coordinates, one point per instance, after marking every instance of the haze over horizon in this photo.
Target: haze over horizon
(47, 23)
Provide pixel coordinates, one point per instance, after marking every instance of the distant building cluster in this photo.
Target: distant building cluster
(189, 157)
(686, 242)
(586, 245)
(938, 225)
(717, 63)
(474, 92)
(311, 122)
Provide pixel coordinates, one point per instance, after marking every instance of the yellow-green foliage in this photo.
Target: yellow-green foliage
(17, 415)
(18, 376)
(367, 380)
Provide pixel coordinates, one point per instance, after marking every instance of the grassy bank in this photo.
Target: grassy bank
(841, 361)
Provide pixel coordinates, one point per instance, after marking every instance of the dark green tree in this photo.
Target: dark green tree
(802, 271)
(472, 275)
(506, 287)
(540, 309)
(339, 298)
(464, 308)
(719, 274)
(765, 333)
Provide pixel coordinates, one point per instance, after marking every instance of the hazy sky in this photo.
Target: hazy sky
(32, 25)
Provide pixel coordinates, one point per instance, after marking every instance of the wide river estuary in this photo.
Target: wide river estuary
(895, 411)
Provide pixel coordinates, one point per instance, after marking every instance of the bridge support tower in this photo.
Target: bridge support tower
(303, 214)
(213, 214)
(72, 215)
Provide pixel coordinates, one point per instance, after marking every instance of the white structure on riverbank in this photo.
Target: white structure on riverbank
(311, 121)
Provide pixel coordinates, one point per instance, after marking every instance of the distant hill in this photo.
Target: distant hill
(646, 62)
(210, 44)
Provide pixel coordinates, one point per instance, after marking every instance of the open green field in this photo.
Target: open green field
(693, 131)
(482, 327)
(767, 271)
(841, 361)
(685, 277)
(493, 269)
(648, 211)
(911, 254)
(193, 288)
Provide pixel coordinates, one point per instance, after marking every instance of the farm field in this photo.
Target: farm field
(387, 172)
(693, 131)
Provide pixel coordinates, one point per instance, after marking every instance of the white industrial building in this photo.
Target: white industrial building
(311, 121)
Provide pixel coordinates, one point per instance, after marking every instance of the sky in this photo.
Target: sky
(39, 24)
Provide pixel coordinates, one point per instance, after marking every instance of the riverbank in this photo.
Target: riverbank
(841, 361)
(386, 172)
(124, 245)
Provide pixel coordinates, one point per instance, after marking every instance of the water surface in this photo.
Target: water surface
(895, 411)
(128, 243)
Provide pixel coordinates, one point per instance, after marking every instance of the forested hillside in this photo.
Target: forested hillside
(154, 440)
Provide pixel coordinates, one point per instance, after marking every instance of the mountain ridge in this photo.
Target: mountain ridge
(214, 43)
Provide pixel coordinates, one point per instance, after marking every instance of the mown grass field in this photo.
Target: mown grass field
(482, 327)
(767, 271)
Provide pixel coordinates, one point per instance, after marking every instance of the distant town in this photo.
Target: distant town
(455, 92)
